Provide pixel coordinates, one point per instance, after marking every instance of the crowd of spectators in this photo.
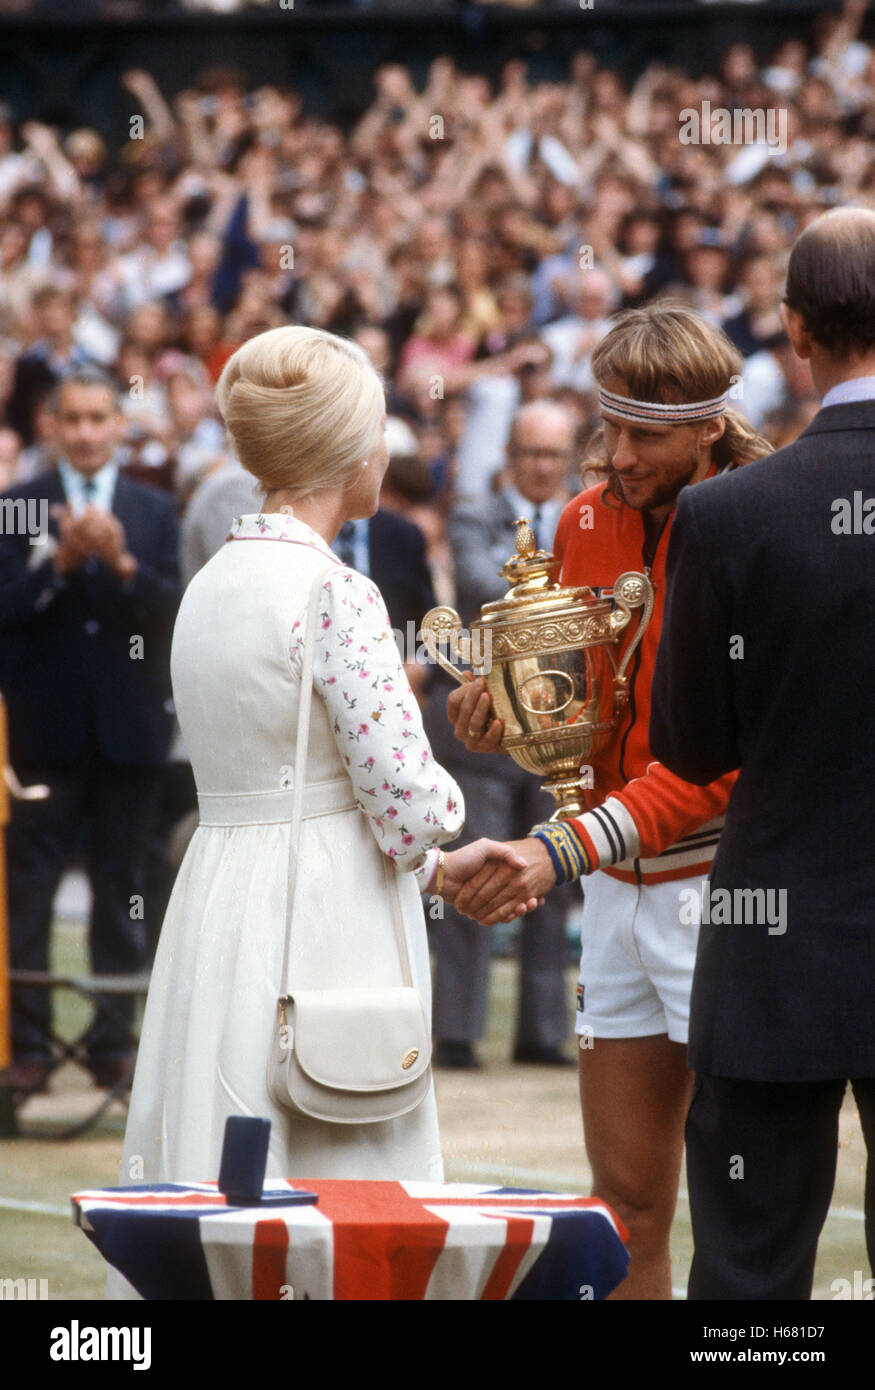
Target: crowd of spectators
(474, 240)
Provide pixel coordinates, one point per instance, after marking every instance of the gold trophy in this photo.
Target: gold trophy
(549, 658)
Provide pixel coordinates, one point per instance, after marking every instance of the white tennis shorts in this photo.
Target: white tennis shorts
(637, 957)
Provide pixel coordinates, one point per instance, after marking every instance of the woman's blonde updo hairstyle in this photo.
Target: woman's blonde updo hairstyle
(303, 408)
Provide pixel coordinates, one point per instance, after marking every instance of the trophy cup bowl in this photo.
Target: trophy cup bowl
(549, 657)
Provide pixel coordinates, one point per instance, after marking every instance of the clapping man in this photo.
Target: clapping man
(85, 613)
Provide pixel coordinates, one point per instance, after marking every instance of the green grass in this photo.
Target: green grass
(503, 1124)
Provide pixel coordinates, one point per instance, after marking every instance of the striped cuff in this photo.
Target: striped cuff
(608, 834)
(570, 859)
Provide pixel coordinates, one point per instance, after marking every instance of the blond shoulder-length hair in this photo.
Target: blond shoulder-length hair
(667, 352)
(303, 408)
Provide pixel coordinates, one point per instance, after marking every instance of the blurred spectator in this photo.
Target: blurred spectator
(159, 265)
(54, 355)
(775, 380)
(759, 284)
(226, 492)
(197, 437)
(43, 452)
(10, 453)
(439, 341)
(571, 339)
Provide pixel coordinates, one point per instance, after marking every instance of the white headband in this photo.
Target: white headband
(673, 414)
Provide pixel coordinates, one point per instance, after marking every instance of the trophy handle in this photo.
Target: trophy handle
(443, 627)
(631, 590)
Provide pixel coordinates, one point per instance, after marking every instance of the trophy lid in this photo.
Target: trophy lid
(531, 574)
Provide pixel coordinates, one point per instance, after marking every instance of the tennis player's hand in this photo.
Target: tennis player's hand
(469, 710)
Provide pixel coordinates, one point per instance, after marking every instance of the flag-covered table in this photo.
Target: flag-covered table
(358, 1240)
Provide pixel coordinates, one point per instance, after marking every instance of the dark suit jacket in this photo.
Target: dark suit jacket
(754, 556)
(66, 666)
(399, 568)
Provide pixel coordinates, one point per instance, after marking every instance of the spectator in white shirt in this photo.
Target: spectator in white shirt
(572, 338)
(159, 265)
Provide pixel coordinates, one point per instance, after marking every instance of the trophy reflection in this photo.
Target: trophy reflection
(549, 657)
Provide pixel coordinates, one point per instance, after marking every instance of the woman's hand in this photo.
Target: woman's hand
(502, 867)
(489, 897)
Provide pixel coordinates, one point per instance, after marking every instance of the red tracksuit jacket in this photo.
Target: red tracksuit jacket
(643, 824)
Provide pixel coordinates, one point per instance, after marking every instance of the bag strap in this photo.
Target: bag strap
(301, 748)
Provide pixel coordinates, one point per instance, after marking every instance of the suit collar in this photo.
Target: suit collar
(503, 502)
(512, 505)
(47, 484)
(854, 415)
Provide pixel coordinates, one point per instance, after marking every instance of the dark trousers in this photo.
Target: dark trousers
(102, 812)
(502, 802)
(761, 1161)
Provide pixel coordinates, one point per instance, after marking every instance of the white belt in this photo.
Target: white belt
(272, 808)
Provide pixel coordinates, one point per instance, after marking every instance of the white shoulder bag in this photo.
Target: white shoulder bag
(347, 1056)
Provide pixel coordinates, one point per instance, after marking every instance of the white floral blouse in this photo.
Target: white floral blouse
(412, 803)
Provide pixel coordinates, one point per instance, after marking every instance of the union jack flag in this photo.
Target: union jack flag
(358, 1241)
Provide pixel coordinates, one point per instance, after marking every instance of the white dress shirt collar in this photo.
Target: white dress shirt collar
(550, 512)
(857, 388)
(79, 492)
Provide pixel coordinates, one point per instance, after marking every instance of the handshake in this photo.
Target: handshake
(494, 882)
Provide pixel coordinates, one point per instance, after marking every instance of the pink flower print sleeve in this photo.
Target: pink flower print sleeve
(412, 803)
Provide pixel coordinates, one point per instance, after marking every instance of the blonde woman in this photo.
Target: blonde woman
(306, 413)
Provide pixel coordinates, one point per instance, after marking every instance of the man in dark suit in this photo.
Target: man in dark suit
(502, 800)
(88, 589)
(767, 664)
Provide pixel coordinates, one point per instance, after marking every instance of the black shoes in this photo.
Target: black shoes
(460, 1056)
(28, 1078)
(538, 1056)
(113, 1071)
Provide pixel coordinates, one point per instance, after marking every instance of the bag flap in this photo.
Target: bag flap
(360, 1039)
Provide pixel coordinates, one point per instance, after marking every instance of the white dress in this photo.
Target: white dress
(211, 1009)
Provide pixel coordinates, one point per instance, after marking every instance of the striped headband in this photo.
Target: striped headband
(673, 414)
